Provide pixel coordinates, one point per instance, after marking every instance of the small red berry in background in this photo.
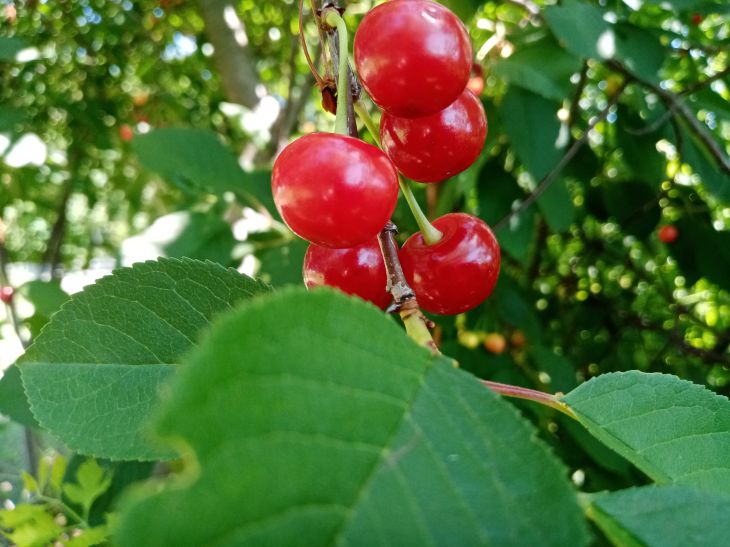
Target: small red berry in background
(696, 18)
(476, 80)
(458, 272)
(126, 133)
(495, 343)
(436, 147)
(359, 271)
(333, 190)
(413, 57)
(6, 294)
(518, 339)
(668, 233)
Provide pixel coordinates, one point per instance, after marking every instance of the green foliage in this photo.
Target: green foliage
(671, 429)
(344, 441)
(49, 516)
(93, 375)
(670, 515)
(584, 279)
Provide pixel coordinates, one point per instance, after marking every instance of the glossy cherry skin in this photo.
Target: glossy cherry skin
(413, 56)
(436, 147)
(459, 272)
(358, 270)
(334, 191)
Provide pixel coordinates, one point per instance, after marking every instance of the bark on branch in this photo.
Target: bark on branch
(232, 56)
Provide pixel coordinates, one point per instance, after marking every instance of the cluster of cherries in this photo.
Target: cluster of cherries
(414, 59)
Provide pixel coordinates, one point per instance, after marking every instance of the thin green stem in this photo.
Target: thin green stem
(430, 234)
(334, 19)
(546, 399)
(362, 113)
(66, 509)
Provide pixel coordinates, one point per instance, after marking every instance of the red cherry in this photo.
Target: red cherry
(6, 294)
(334, 191)
(126, 133)
(457, 273)
(436, 147)
(358, 270)
(413, 56)
(696, 18)
(495, 343)
(668, 233)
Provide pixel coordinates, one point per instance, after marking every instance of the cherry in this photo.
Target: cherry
(436, 147)
(6, 294)
(518, 339)
(413, 56)
(495, 343)
(358, 270)
(696, 18)
(333, 190)
(125, 132)
(668, 233)
(458, 272)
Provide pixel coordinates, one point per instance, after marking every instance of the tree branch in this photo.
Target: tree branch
(675, 104)
(548, 179)
(233, 58)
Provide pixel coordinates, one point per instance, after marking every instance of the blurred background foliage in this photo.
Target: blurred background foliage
(131, 130)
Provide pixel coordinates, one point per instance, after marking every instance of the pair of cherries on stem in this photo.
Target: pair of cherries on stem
(451, 276)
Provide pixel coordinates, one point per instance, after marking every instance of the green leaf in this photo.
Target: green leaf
(671, 429)
(581, 28)
(94, 373)
(281, 265)
(92, 482)
(532, 125)
(633, 204)
(515, 237)
(334, 428)
(10, 46)
(99, 410)
(702, 251)
(715, 180)
(543, 67)
(667, 516)
(638, 148)
(10, 117)
(556, 205)
(46, 296)
(196, 160)
(29, 525)
(639, 50)
(89, 537)
(13, 402)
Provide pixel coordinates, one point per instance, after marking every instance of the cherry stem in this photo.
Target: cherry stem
(430, 234)
(404, 299)
(334, 19)
(547, 399)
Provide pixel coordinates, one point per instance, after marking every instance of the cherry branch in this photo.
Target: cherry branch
(677, 106)
(548, 179)
(404, 298)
